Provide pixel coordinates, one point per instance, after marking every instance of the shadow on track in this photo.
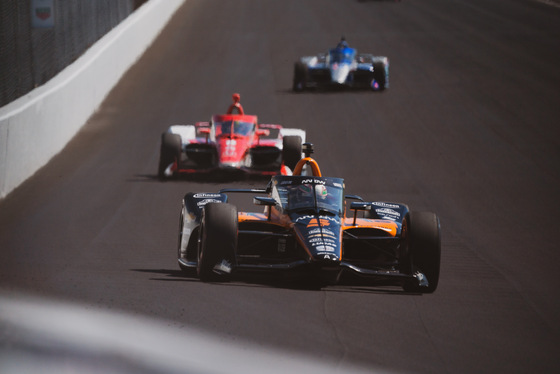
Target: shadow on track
(281, 282)
(331, 91)
(170, 275)
(214, 178)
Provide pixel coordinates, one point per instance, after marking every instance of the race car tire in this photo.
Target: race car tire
(170, 151)
(405, 260)
(300, 73)
(218, 241)
(379, 74)
(291, 150)
(185, 269)
(424, 249)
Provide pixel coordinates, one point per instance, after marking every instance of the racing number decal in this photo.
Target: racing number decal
(314, 222)
(230, 147)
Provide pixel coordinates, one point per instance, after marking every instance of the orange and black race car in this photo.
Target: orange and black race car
(304, 230)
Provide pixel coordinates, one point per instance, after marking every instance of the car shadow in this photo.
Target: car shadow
(279, 282)
(330, 91)
(216, 178)
(168, 275)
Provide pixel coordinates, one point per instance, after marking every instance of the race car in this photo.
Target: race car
(305, 233)
(341, 67)
(234, 141)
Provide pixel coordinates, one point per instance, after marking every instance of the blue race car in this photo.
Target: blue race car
(341, 67)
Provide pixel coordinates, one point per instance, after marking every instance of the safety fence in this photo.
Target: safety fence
(39, 38)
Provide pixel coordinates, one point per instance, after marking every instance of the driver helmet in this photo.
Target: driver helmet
(321, 192)
(304, 190)
(342, 44)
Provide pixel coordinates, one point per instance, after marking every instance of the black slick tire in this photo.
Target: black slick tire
(218, 241)
(185, 269)
(170, 151)
(424, 249)
(300, 73)
(379, 75)
(291, 150)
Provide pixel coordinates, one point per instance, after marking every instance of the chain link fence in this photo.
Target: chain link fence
(39, 38)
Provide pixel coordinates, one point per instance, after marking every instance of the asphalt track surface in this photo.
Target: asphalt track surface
(468, 129)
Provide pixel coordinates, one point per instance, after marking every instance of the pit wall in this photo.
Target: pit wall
(37, 126)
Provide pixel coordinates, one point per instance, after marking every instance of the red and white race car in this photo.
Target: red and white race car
(230, 142)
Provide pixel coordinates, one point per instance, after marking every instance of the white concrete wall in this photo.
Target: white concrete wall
(38, 125)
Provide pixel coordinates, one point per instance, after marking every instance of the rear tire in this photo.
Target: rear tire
(218, 241)
(300, 72)
(170, 151)
(380, 75)
(424, 249)
(291, 150)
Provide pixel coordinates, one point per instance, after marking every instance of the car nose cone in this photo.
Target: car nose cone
(339, 73)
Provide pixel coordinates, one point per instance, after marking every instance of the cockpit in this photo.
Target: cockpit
(233, 127)
(342, 55)
(305, 194)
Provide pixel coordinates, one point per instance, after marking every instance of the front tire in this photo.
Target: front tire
(380, 75)
(170, 152)
(218, 242)
(291, 150)
(300, 73)
(424, 249)
(182, 245)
